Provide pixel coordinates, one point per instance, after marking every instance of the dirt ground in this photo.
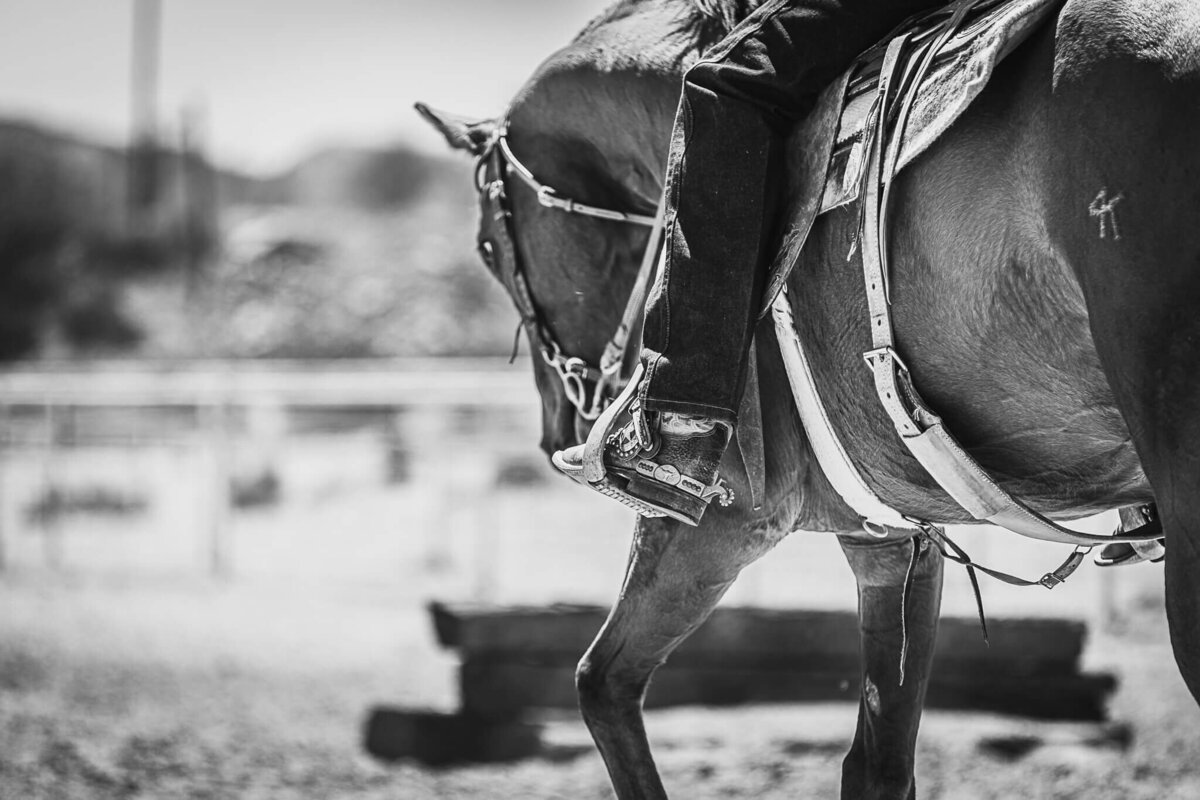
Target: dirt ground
(160, 682)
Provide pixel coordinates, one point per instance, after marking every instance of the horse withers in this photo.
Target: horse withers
(1045, 273)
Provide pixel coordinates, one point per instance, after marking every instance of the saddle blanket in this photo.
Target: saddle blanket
(960, 72)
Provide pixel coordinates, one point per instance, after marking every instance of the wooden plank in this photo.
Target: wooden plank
(505, 690)
(437, 739)
(760, 638)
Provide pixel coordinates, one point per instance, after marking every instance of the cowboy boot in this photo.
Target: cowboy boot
(660, 465)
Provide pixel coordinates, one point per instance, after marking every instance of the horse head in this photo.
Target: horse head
(540, 172)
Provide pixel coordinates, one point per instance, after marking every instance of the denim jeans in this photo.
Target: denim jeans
(724, 179)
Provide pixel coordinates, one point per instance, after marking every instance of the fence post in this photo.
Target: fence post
(216, 424)
(5, 446)
(52, 542)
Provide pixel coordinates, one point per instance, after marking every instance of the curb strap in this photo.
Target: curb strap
(1049, 580)
(952, 551)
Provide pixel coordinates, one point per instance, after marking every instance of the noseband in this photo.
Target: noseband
(575, 373)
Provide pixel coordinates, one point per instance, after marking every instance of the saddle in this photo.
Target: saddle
(832, 137)
(829, 144)
(878, 117)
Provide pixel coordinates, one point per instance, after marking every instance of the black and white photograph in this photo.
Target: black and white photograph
(599, 399)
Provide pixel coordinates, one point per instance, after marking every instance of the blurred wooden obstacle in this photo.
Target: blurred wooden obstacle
(439, 739)
(515, 659)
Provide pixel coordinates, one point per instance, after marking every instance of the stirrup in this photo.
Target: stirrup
(1129, 557)
(1153, 551)
(594, 474)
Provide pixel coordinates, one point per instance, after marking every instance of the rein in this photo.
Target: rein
(575, 373)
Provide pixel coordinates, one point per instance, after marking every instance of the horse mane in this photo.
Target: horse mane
(726, 13)
(705, 22)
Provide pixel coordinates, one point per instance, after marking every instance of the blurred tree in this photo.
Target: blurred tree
(36, 222)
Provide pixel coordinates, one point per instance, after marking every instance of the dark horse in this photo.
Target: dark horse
(1046, 274)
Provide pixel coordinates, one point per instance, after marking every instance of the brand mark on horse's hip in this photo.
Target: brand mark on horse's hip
(1104, 207)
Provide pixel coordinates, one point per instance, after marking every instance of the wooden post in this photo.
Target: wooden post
(220, 550)
(5, 446)
(487, 544)
(438, 468)
(143, 154)
(52, 544)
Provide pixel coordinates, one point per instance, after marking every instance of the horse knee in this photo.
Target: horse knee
(603, 690)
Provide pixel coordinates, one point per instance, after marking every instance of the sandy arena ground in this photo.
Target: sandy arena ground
(155, 681)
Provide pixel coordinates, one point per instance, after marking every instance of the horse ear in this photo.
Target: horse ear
(460, 132)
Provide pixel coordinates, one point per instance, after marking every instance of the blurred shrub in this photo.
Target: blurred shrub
(521, 472)
(261, 490)
(63, 245)
(391, 178)
(352, 253)
(59, 501)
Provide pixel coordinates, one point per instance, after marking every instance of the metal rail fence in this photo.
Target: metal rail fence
(40, 404)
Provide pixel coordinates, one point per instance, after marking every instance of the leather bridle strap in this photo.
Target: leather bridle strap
(550, 198)
(618, 351)
(573, 372)
(920, 429)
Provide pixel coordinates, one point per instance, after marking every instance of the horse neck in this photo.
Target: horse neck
(609, 98)
(597, 118)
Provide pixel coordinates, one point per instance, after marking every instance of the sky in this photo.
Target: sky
(275, 79)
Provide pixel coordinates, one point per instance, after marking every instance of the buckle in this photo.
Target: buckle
(550, 199)
(1050, 580)
(887, 352)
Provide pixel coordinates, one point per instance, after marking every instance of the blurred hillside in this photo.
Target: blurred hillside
(351, 252)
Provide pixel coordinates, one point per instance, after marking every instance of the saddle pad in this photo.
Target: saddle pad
(955, 79)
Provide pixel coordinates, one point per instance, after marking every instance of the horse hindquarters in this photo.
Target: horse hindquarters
(1122, 167)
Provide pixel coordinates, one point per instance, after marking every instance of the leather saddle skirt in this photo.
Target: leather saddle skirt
(830, 160)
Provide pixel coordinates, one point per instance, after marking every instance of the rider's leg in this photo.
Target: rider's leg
(723, 196)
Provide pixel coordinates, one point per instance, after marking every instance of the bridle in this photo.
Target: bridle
(575, 373)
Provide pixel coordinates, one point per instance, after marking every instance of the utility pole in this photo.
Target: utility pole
(143, 162)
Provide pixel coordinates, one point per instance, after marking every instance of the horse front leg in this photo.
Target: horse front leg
(676, 576)
(881, 761)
